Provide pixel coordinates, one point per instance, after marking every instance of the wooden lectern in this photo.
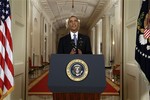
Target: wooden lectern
(76, 96)
(76, 77)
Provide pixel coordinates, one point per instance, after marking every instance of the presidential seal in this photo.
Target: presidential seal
(77, 70)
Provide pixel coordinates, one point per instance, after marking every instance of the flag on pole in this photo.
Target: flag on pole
(142, 50)
(6, 48)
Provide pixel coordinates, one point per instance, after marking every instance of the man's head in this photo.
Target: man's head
(73, 24)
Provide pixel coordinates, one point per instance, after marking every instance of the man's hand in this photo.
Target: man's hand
(79, 51)
(73, 51)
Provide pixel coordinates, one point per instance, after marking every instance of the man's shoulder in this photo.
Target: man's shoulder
(83, 36)
(65, 36)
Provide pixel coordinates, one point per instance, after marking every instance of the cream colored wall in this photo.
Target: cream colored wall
(45, 40)
(36, 33)
(35, 37)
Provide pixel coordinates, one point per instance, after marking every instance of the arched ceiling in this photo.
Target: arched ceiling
(86, 10)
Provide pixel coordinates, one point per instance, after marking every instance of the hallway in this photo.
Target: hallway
(111, 25)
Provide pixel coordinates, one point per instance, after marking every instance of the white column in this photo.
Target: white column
(54, 39)
(93, 40)
(50, 40)
(106, 40)
(96, 39)
(117, 34)
(98, 36)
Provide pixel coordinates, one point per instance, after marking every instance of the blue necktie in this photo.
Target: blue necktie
(75, 39)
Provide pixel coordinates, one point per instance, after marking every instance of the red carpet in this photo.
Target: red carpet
(41, 87)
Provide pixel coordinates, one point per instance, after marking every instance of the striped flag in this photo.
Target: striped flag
(6, 55)
(147, 33)
(147, 25)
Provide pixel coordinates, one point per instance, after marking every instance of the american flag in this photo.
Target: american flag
(147, 33)
(6, 55)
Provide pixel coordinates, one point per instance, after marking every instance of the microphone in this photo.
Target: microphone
(74, 46)
(76, 49)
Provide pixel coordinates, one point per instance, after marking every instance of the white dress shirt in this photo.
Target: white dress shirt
(72, 35)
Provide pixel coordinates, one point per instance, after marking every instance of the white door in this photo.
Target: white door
(131, 74)
(134, 85)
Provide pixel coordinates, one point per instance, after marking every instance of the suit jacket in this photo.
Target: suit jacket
(66, 44)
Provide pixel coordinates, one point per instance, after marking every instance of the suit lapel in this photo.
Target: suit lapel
(80, 41)
(69, 41)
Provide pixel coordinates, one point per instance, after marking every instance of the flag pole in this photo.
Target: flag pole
(149, 38)
(149, 11)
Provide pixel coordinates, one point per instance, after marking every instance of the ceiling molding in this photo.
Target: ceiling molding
(86, 10)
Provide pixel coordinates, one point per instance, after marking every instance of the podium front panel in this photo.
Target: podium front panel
(59, 81)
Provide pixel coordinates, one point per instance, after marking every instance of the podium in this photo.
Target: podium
(76, 77)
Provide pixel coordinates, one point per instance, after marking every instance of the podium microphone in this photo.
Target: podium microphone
(74, 46)
(76, 49)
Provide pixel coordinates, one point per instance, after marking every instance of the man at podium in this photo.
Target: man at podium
(75, 43)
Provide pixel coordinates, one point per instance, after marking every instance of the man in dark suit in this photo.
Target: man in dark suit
(74, 42)
(69, 45)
